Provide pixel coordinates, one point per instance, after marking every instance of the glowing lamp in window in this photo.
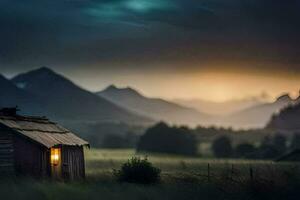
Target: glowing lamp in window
(55, 156)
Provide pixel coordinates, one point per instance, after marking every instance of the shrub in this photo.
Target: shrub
(279, 142)
(295, 143)
(273, 147)
(137, 170)
(162, 138)
(222, 147)
(245, 150)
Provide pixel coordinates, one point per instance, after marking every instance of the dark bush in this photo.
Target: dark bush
(295, 143)
(272, 147)
(279, 142)
(245, 150)
(137, 170)
(173, 140)
(222, 147)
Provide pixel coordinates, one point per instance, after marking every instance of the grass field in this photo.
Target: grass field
(104, 161)
(182, 178)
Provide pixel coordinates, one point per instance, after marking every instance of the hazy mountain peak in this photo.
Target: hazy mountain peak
(63, 99)
(112, 89)
(45, 69)
(42, 78)
(43, 72)
(154, 108)
(284, 98)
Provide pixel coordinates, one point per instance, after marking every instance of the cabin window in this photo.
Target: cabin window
(55, 156)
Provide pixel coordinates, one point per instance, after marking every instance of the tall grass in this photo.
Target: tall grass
(182, 178)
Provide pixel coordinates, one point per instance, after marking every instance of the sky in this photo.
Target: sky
(210, 49)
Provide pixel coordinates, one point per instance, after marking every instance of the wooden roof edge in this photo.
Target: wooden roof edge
(64, 131)
(56, 145)
(39, 120)
(42, 131)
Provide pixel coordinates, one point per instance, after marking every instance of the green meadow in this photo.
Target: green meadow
(182, 178)
(104, 161)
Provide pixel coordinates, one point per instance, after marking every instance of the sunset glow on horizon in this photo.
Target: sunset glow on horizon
(211, 86)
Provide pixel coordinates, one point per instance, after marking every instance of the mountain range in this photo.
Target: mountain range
(155, 108)
(248, 114)
(256, 116)
(45, 92)
(221, 108)
(287, 119)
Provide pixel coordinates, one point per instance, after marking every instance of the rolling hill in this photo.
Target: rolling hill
(220, 108)
(287, 119)
(256, 116)
(63, 100)
(44, 92)
(154, 108)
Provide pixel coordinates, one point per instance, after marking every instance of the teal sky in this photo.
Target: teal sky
(96, 42)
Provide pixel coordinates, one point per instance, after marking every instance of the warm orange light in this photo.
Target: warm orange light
(55, 156)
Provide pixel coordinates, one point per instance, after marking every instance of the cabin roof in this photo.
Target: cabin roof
(42, 130)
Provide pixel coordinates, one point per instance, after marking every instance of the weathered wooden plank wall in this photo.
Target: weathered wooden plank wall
(31, 159)
(73, 166)
(6, 152)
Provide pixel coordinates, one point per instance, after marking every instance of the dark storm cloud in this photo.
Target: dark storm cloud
(148, 32)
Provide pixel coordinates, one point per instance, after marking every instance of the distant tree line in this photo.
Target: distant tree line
(212, 132)
(162, 138)
(270, 147)
(111, 135)
(114, 141)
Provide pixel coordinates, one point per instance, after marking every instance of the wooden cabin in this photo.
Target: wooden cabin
(37, 147)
